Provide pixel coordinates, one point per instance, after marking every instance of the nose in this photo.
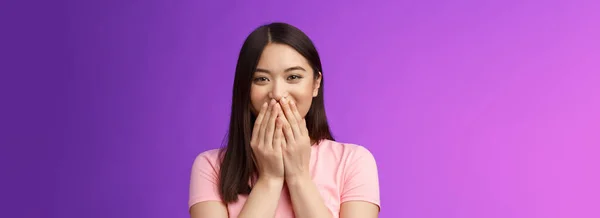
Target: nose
(278, 90)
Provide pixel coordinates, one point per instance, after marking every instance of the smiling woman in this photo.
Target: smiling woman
(281, 159)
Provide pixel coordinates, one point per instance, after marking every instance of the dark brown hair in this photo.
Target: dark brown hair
(237, 159)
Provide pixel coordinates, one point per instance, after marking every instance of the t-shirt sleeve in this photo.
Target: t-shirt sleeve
(361, 180)
(203, 179)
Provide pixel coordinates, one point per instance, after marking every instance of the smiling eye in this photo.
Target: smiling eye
(293, 77)
(260, 79)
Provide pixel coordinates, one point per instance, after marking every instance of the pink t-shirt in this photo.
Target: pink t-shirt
(341, 171)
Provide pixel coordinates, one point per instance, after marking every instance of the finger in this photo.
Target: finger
(285, 126)
(287, 131)
(270, 129)
(263, 125)
(294, 108)
(291, 118)
(257, 124)
(278, 137)
(302, 121)
(283, 140)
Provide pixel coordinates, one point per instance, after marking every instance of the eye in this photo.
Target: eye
(294, 77)
(260, 79)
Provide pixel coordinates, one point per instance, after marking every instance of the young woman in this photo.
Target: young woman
(281, 159)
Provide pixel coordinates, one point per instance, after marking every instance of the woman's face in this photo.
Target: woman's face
(283, 72)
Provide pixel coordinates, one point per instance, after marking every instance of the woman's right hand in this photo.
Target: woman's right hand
(266, 142)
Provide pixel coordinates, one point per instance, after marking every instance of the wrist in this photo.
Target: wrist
(270, 181)
(297, 179)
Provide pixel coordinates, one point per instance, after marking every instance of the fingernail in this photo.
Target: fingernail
(284, 100)
(272, 102)
(265, 105)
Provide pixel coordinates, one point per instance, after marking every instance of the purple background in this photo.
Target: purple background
(472, 108)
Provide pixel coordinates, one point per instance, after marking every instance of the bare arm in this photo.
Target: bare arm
(206, 209)
(306, 199)
(261, 202)
(359, 209)
(263, 199)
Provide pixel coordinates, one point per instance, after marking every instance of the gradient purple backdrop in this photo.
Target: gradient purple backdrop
(472, 108)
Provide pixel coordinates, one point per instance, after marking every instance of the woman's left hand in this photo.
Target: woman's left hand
(296, 148)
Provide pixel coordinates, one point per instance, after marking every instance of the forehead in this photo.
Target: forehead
(278, 57)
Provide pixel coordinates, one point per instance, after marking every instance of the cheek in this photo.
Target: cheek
(303, 96)
(304, 108)
(303, 102)
(257, 98)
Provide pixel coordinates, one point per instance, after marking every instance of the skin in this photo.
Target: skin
(282, 90)
(283, 72)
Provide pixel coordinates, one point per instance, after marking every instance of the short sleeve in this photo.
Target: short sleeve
(361, 179)
(204, 179)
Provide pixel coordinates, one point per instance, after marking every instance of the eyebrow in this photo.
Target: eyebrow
(286, 70)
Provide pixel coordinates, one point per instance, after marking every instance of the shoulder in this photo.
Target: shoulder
(207, 160)
(359, 179)
(344, 150)
(204, 178)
